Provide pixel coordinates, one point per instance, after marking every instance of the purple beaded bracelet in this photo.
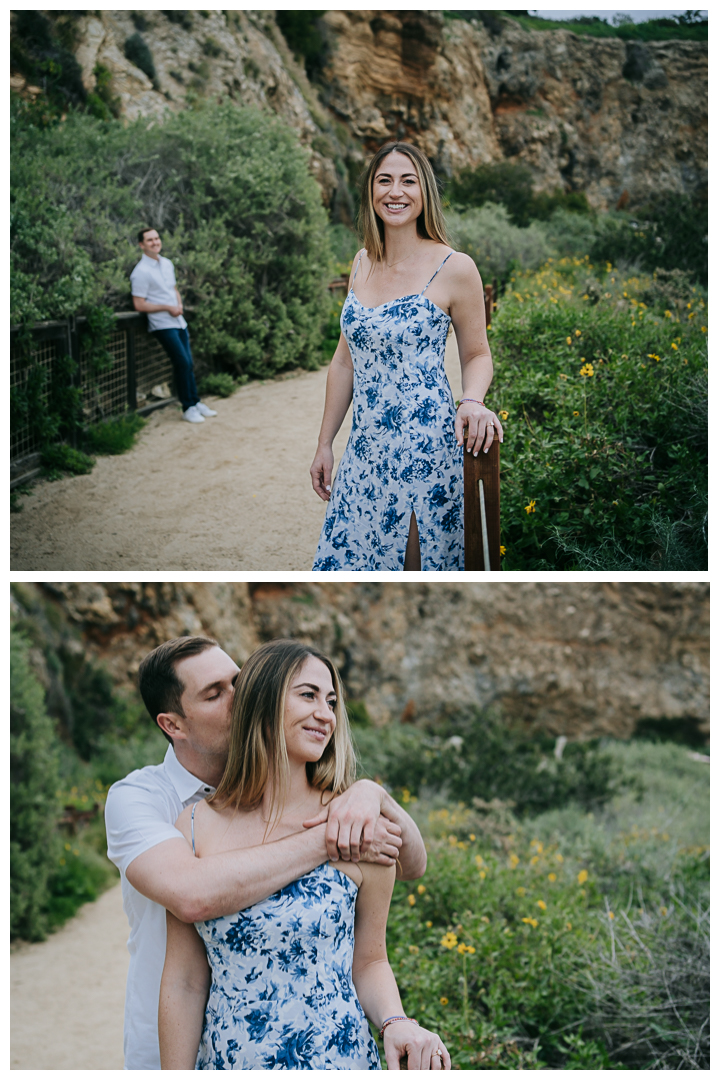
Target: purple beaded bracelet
(473, 400)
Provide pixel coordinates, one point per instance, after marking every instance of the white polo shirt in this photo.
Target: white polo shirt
(140, 812)
(154, 280)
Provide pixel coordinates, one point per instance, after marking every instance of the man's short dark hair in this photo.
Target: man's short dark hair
(158, 682)
(141, 234)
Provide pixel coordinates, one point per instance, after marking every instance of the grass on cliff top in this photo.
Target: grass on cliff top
(687, 27)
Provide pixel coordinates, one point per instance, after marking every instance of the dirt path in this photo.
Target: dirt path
(230, 494)
(68, 993)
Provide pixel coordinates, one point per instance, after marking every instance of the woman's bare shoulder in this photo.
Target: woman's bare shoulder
(463, 268)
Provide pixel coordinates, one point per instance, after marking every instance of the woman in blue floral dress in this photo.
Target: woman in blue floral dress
(396, 503)
(290, 982)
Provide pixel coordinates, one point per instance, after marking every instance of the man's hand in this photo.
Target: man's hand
(175, 310)
(352, 825)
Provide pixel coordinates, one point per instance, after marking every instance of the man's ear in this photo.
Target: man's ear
(172, 724)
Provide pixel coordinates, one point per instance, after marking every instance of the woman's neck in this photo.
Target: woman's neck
(401, 244)
(295, 800)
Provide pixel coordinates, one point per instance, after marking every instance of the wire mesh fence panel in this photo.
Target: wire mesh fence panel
(24, 440)
(105, 393)
(152, 365)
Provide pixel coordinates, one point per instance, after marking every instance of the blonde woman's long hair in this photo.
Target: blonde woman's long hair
(258, 752)
(430, 224)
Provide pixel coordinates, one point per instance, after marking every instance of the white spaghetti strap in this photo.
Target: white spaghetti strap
(192, 827)
(360, 255)
(437, 272)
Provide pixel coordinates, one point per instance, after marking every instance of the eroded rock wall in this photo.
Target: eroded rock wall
(576, 659)
(616, 120)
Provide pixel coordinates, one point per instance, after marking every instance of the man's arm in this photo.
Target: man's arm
(353, 822)
(143, 305)
(198, 889)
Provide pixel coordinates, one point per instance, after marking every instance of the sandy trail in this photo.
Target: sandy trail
(233, 493)
(68, 993)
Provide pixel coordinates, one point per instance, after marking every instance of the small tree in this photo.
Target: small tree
(34, 779)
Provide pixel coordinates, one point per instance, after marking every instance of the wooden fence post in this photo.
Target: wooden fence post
(482, 508)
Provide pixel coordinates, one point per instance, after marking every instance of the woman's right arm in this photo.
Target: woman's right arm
(183, 995)
(338, 395)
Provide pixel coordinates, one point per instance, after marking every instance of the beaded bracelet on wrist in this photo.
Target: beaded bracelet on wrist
(473, 400)
(394, 1020)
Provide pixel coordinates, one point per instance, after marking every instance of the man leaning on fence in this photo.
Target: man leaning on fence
(155, 293)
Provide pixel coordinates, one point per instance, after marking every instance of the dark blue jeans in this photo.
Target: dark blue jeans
(176, 344)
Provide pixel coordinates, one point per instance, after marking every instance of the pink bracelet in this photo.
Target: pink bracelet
(474, 401)
(394, 1020)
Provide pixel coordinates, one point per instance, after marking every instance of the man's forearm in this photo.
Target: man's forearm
(198, 889)
(147, 308)
(413, 857)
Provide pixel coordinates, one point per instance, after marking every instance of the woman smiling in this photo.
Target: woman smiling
(396, 503)
(289, 982)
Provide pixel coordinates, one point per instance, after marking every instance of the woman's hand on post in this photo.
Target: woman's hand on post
(423, 1049)
(481, 423)
(321, 472)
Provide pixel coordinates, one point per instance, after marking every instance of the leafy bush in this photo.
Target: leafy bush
(230, 192)
(566, 940)
(510, 185)
(221, 384)
(33, 802)
(497, 246)
(114, 436)
(181, 18)
(60, 459)
(476, 756)
(590, 381)
(303, 34)
(671, 232)
(137, 51)
(37, 51)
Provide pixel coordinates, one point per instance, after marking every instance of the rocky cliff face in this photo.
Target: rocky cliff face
(596, 115)
(575, 659)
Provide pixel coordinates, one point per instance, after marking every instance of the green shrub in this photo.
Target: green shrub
(101, 102)
(114, 436)
(230, 192)
(37, 51)
(565, 940)
(33, 801)
(137, 51)
(475, 755)
(670, 232)
(303, 34)
(496, 245)
(181, 18)
(220, 384)
(60, 459)
(510, 185)
(587, 382)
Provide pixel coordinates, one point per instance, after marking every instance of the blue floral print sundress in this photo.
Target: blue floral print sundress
(282, 995)
(402, 454)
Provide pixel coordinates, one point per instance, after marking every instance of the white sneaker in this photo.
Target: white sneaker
(203, 409)
(193, 416)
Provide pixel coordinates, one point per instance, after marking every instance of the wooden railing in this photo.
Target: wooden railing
(482, 508)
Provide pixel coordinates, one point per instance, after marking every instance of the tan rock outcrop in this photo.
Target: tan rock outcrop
(599, 115)
(575, 659)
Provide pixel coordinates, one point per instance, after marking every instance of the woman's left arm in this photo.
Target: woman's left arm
(375, 983)
(467, 311)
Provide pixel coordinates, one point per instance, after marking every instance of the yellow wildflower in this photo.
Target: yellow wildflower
(703, 329)
(428, 924)
(465, 949)
(663, 911)
(411, 900)
(673, 345)
(470, 837)
(531, 922)
(503, 414)
(587, 370)
(542, 905)
(514, 860)
(559, 857)
(578, 333)
(552, 877)
(421, 889)
(530, 508)
(569, 340)
(482, 874)
(535, 858)
(449, 941)
(568, 926)
(478, 860)
(582, 877)
(575, 412)
(502, 549)
(610, 915)
(443, 1001)
(413, 949)
(520, 891)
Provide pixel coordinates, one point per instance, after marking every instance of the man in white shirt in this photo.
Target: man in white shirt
(187, 686)
(154, 292)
